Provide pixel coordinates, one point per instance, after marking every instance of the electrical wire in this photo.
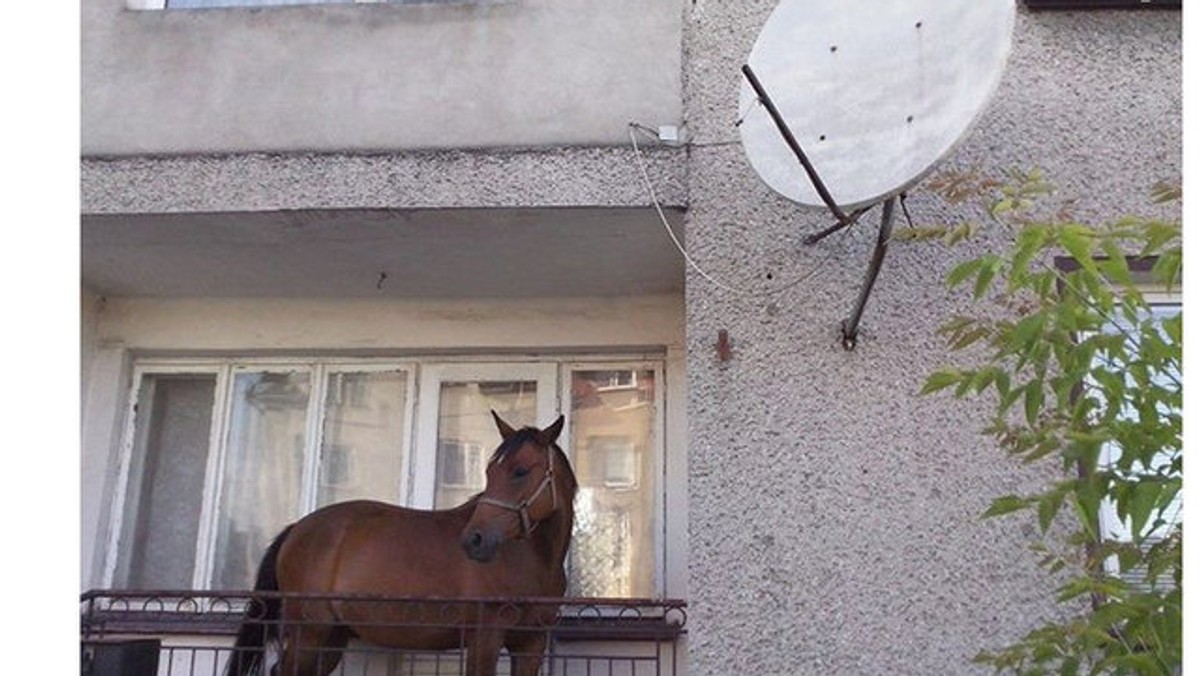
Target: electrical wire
(753, 293)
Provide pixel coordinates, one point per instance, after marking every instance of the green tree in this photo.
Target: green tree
(1082, 373)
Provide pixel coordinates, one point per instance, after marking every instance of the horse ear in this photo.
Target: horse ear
(506, 430)
(548, 436)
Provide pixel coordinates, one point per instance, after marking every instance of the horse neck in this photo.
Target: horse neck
(553, 538)
(555, 533)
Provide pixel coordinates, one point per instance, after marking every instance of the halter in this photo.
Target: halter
(522, 507)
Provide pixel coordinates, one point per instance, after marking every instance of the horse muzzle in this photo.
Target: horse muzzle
(480, 545)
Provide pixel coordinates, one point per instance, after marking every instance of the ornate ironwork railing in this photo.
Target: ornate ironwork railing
(193, 631)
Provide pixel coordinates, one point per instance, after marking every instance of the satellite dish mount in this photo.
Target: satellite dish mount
(844, 220)
(879, 92)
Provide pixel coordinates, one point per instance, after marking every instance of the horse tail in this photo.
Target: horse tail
(262, 617)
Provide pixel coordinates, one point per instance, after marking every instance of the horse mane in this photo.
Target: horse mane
(530, 435)
(514, 441)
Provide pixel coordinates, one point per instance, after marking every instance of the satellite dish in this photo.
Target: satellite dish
(874, 92)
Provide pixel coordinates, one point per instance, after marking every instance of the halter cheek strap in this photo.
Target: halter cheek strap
(522, 507)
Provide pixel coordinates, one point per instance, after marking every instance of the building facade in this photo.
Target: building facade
(320, 241)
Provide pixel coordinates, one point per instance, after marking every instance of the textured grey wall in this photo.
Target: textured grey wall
(833, 513)
(376, 77)
(452, 178)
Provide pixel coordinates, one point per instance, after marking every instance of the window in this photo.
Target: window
(614, 437)
(214, 4)
(1161, 522)
(1103, 4)
(220, 455)
(164, 493)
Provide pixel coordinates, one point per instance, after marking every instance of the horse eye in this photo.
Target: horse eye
(520, 472)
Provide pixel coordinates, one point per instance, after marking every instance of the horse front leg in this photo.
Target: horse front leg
(313, 650)
(483, 649)
(525, 649)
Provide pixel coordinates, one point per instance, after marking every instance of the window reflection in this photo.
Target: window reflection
(362, 438)
(264, 463)
(612, 446)
(467, 434)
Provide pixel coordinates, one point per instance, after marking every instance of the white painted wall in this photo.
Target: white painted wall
(125, 328)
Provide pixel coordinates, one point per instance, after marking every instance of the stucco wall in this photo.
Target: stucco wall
(376, 77)
(834, 514)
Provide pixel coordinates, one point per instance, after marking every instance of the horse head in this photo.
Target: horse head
(528, 482)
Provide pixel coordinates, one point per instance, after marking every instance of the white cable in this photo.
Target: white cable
(637, 152)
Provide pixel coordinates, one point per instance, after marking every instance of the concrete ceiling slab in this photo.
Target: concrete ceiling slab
(441, 253)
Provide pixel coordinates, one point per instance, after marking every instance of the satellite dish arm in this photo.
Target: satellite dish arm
(790, 139)
(850, 325)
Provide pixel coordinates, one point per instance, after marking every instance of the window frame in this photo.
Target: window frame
(1087, 5)
(423, 493)
(421, 371)
(659, 527)
(163, 5)
(226, 371)
(1153, 294)
(129, 440)
(1108, 520)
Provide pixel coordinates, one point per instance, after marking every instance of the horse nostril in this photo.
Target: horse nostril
(478, 547)
(472, 542)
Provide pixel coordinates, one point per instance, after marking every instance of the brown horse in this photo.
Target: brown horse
(510, 541)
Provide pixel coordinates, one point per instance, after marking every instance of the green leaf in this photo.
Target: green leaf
(1028, 329)
(1114, 266)
(1030, 240)
(1034, 395)
(1082, 388)
(967, 338)
(1005, 505)
(987, 272)
(1002, 206)
(1144, 500)
(1042, 449)
(1168, 268)
(956, 235)
(1077, 240)
(1048, 506)
(962, 271)
(1138, 662)
(940, 380)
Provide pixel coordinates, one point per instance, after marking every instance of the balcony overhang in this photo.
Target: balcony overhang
(384, 253)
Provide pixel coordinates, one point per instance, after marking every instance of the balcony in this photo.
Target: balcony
(189, 633)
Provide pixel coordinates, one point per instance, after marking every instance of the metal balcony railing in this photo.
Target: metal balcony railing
(190, 633)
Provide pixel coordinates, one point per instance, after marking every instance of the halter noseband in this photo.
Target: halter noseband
(522, 507)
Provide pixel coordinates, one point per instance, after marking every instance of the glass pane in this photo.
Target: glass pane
(361, 443)
(264, 463)
(195, 4)
(467, 434)
(1113, 526)
(166, 482)
(613, 453)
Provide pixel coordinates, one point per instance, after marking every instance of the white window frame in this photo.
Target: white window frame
(417, 483)
(128, 441)
(161, 5)
(432, 377)
(660, 447)
(406, 437)
(225, 371)
(1111, 526)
